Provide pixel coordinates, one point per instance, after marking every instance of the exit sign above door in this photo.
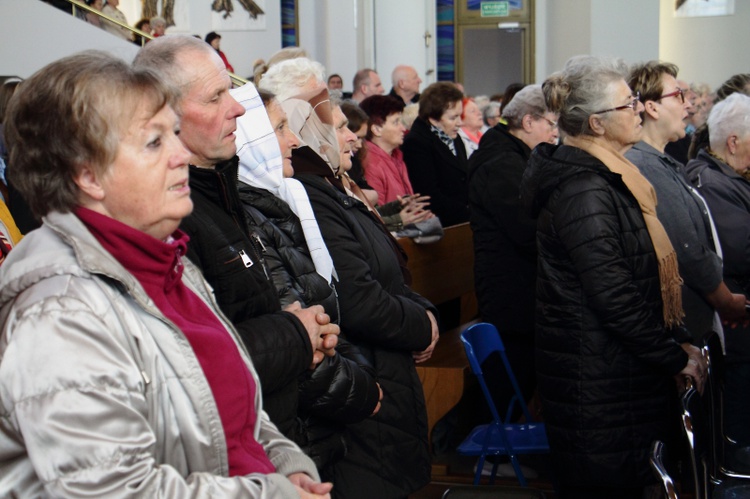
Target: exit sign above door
(495, 9)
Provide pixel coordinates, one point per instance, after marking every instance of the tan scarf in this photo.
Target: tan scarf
(669, 275)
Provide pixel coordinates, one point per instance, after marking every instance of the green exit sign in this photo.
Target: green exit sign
(494, 9)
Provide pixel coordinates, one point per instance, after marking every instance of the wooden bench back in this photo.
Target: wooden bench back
(444, 270)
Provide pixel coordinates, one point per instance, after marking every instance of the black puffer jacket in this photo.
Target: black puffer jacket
(504, 235)
(219, 244)
(288, 259)
(604, 360)
(388, 456)
(342, 389)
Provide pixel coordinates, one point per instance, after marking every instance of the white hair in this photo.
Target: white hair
(292, 77)
(729, 117)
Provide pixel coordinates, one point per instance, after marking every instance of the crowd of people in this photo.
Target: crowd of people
(212, 300)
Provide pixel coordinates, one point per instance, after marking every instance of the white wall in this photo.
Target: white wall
(328, 30)
(707, 49)
(342, 35)
(242, 47)
(399, 38)
(26, 48)
(346, 35)
(629, 30)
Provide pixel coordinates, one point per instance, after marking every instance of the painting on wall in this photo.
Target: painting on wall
(703, 8)
(239, 19)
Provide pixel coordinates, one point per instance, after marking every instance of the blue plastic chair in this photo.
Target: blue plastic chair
(498, 438)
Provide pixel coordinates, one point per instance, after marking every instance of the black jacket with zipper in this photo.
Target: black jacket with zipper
(342, 389)
(604, 359)
(389, 455)
(231, 262)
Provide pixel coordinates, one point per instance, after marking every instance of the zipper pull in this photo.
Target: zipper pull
(256, 238)
(260, 242)
(246, 259)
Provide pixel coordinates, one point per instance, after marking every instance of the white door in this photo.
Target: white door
(405, 34)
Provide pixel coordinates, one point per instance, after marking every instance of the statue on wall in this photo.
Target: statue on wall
(149, 10)
(227, 7)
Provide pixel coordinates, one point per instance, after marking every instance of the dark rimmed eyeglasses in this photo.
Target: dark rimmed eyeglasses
(553, 124)
(679, 93)
(631, 105)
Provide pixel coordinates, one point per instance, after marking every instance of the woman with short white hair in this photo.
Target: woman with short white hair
(718, 173)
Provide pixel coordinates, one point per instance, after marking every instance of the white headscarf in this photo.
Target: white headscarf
(261, 166)
(312, 132)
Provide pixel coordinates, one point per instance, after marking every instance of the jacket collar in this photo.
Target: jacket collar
(422, 129)
(715, 163)
(73, 251)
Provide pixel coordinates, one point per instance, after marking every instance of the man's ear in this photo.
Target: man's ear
(88, 182)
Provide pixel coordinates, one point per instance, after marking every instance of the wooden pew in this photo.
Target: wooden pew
(441, 272)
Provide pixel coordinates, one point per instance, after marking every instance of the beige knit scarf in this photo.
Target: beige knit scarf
(669, 275)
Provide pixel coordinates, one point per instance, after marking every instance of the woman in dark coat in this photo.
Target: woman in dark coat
(393, 326)
(504, 235)
(341, 390)
(720, 174)
(608, 291)
(435, 156)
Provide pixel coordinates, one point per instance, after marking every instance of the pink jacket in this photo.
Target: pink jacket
(386, 173)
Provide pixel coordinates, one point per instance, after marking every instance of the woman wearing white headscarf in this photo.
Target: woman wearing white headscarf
(342, 388)
(392, 325)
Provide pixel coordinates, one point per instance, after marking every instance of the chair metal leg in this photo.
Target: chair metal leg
(517, 469)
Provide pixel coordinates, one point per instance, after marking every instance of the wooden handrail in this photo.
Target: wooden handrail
(237, 81)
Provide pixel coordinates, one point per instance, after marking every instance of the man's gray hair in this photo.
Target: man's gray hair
(160, 55)
(491, 109)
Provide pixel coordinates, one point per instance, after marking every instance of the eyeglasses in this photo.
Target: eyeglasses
(553, 124)
(679, 92)
(632, 105)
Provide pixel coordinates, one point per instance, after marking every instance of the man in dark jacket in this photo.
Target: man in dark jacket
(283, 345)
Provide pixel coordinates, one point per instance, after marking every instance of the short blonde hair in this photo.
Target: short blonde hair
(71, 113)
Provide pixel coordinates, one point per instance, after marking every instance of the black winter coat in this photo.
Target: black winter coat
(604, 359)
(434, 171)
(230, 261)
(342, 389)
(388, 456)
(504, 234)
(287, 259)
